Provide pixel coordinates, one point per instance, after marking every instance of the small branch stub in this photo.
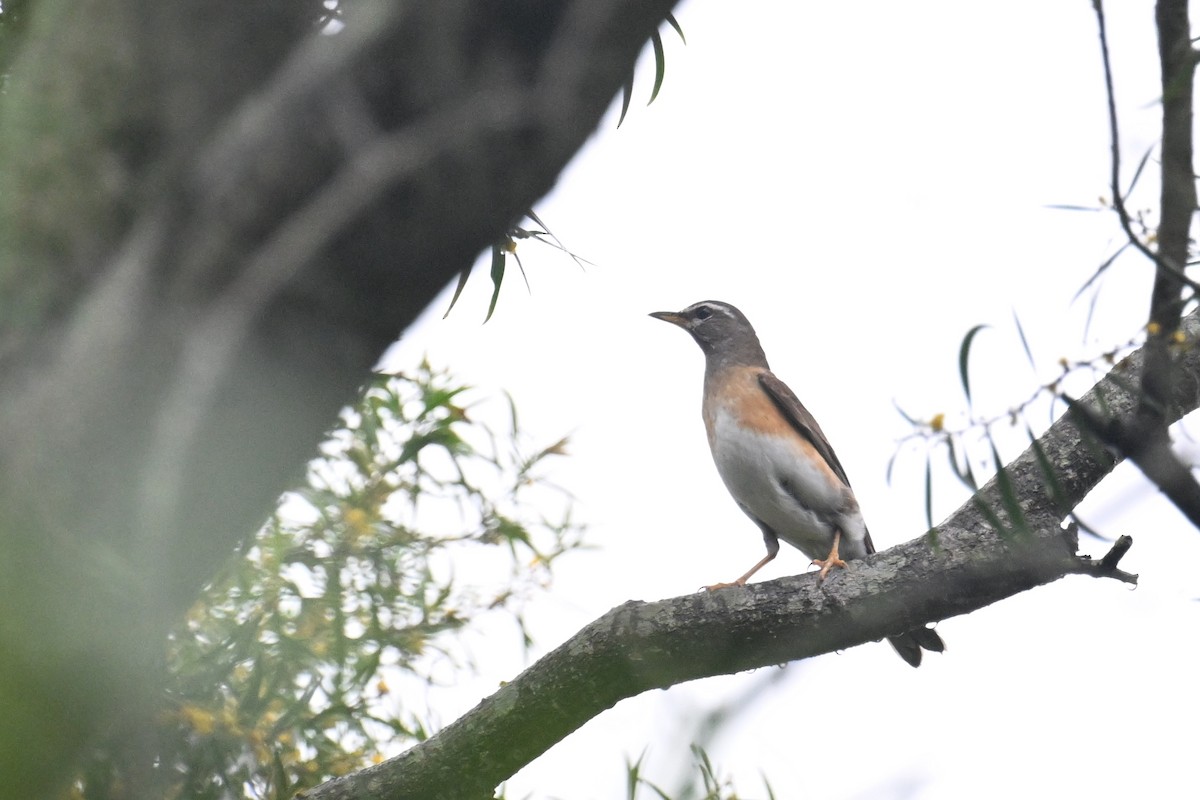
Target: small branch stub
(1106, 567)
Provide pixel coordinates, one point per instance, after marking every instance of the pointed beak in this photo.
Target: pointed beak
(673, 317)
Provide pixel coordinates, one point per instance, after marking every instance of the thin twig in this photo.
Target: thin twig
(1115, 176)
(1106, 567)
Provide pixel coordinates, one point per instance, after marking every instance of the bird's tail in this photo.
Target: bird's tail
(909, 645)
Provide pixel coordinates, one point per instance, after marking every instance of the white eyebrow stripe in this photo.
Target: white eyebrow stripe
(711, 307)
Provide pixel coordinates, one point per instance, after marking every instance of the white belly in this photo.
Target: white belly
(776, 484)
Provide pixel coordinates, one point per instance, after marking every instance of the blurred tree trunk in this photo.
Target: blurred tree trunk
(212, 222)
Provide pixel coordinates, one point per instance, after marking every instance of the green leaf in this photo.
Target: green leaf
(964, 472)
(538, 221)
(554, 241)
(1053, 486)
(928, 491)
(633, 775)
(1024, 341)
(462, 281)
(497, 278)
(964, 356)
(891, 463)
(626, 95)
(1141, 166)
(989, 515)
(1069, 207)
(1008, 492)
(521, 267)
(907, 418)
(674, 23)
(1100, 270)
(933, 539)
(1091, 314)
(660, 64)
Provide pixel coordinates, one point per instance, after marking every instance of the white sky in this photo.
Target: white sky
(866, 181)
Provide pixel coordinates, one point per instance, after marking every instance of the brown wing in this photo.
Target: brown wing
(801, 420)
(806, 425)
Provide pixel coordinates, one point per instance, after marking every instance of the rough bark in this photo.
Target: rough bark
(1142, 436)
(212, 223)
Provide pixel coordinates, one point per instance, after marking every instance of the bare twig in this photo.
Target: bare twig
(1143, 436)
(1115, 176)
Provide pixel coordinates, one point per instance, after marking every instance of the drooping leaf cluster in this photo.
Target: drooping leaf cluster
(506, 248)
(971, 446)
(310, 655)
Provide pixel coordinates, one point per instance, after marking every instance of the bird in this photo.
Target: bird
(774, 458)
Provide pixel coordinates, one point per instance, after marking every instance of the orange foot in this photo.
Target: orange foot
(715, 586)
(771, 551)
(833, 560)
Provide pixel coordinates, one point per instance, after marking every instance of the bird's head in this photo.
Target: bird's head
(719, 328)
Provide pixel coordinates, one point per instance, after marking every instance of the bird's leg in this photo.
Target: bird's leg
(742, 580)
(833, 560)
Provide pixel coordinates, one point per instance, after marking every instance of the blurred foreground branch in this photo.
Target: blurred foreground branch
(214, 218)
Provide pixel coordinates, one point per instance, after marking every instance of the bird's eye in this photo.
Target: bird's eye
(703, 312)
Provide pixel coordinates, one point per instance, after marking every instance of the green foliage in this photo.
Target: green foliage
(292, 667)
(712, 785)
(971, 448)
(506, 248)
(660, 68)
(964, 359)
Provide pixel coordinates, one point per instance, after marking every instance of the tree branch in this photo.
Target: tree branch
(1142, 436)
(960, 566)
(213, 222)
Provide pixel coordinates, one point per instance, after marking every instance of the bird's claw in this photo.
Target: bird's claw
(827, 564)
(715, 586)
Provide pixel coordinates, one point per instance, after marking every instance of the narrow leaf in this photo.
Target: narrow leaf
(660, 64)
(1088, 529)
(674, 23)
(1024, 341)
(462, 281)
(497, 278)
(1138, 172)
(533, 216)
(933, 537)
(1067, 207)
(1053, 486)
(964, 357)
(907, 418)
(1091, 313)
(521, 267)
(963, 471)
(928, 491)
(1100, 270)
(891, 463)
(989, 515)
(555, 241)
(633, 775)
(1008, 492)
(626, 95)
(656, 789)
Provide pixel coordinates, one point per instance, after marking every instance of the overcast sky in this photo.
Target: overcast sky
(866, 181)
